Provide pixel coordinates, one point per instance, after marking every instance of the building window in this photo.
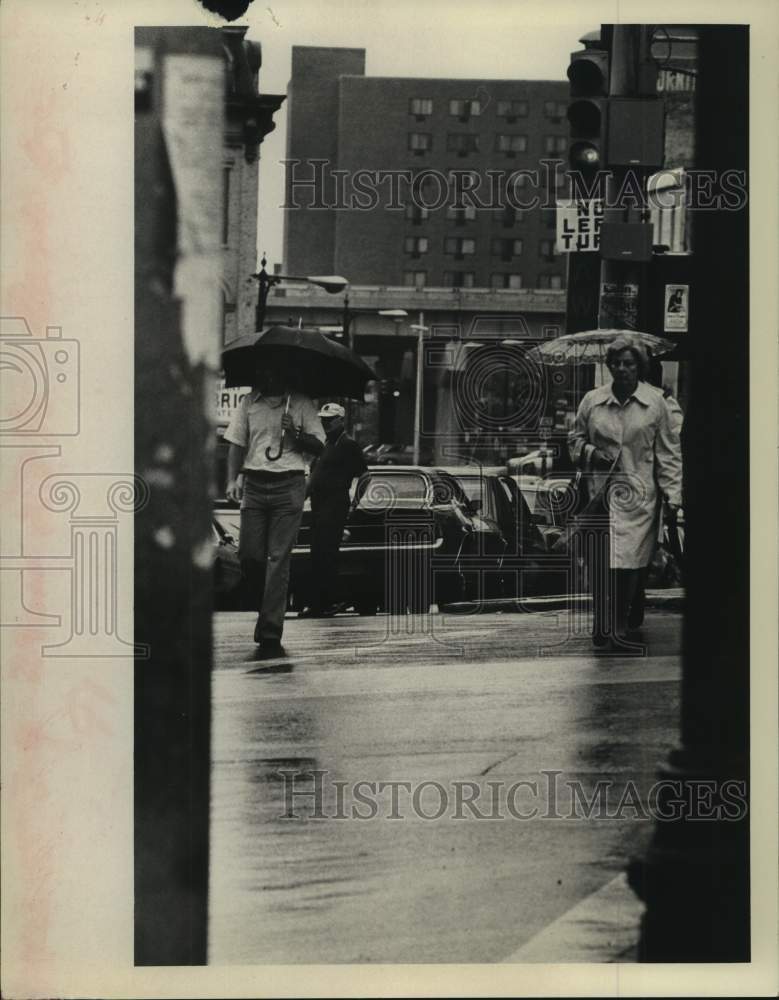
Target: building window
(507, 217)
(461, 215)
(459, 246)
(550, 281)
(458, 178)
(506, 281)
(416, 214)
(512, 110)
(546, 249)
(462, 143)
(420, 142)
(555, 144)
(226, 171)
(415, 279)
(465, 109)
(506, 249)
(416, 245)
(420, 106)
(459, 279)
(510, 144)
(555, 110)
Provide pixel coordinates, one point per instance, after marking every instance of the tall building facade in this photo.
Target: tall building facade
(416, 182)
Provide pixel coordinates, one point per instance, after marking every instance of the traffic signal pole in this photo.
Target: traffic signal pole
(622, 289)
(695, 876)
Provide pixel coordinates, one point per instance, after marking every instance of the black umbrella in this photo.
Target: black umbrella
(314, 364)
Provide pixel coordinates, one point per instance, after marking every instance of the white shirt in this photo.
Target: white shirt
(256, 425)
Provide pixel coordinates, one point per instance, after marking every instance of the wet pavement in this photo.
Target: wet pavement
(471, 705)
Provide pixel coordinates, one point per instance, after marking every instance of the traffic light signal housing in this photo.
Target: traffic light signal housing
(636, 132)
(588, 73)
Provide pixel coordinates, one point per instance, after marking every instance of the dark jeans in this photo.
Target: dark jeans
(271, 510)
(328, 516)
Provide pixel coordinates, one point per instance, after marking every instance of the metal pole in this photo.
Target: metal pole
(623, 82)
(346, 322)
(418, 394)
(264, 282)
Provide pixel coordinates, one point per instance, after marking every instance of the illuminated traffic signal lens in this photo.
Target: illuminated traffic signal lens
(584, 156)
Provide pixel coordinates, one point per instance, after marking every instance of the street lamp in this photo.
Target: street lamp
(421, 330)
(332, 283)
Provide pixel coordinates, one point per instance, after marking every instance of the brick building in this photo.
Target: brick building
(355, 143)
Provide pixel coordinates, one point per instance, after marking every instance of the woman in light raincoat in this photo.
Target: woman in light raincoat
(625, 440)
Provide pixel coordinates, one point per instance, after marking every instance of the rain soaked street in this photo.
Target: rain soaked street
(483, 703)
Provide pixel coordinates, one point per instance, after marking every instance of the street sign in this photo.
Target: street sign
(676, 314)
(578, 225)
(227, 401)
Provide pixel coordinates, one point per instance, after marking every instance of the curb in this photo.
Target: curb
(663, 600)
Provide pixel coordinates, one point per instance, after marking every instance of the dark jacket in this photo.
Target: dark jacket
(333, 471)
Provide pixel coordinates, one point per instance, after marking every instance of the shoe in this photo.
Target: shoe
(257, 635)
(308, 613)
(599, 640)
(270, 649)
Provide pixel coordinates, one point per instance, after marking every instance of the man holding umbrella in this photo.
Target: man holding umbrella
(272, 435)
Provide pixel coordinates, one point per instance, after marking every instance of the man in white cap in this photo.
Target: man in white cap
(328, 486)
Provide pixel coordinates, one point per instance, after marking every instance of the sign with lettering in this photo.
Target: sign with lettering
(578, 225)
(227, 401)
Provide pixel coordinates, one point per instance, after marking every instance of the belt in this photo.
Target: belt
(263, 476)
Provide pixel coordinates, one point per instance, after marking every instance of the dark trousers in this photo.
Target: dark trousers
(328, 516)
(271, 510)
(617, 594)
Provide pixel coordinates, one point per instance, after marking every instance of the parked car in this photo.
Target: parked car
(409, 535)
(500, 502)
(397, 454)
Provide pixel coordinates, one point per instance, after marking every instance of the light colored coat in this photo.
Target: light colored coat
(643, 436)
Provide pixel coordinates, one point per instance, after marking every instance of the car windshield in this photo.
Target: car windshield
(379, 491)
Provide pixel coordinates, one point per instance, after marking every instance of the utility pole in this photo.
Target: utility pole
(418, 395)
(634, 149)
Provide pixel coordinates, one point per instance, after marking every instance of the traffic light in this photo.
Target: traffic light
(588, 73)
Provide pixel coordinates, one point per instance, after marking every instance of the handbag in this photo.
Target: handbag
(583, 508)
